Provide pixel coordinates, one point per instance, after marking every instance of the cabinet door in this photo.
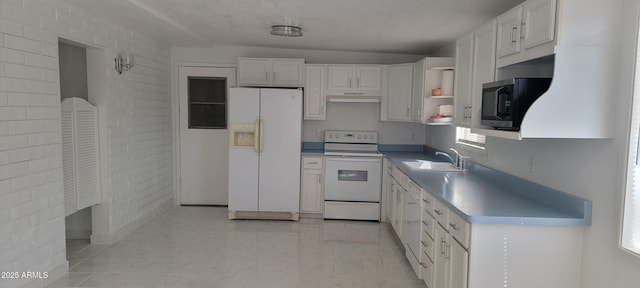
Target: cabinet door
(398, 98)
(339, 77)
(463, 78)
(418, 93)
(253, 72)
(368, 78)
(391, 202)
(538, 26)
(287, 72)
(314, 93)
(441, 261)
(459, 259)
(311, 191)
(484, 67)
(509, 32)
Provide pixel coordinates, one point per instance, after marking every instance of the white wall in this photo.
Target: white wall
(137, 108)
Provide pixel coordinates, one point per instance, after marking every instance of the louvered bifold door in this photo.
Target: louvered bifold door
(81, 165)
(87, 169)
(68, 158)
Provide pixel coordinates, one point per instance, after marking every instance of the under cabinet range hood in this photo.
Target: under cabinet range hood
(355, 98)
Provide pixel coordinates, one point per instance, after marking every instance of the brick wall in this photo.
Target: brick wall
(138, 109)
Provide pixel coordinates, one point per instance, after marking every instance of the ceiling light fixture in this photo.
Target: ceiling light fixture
(286, 30)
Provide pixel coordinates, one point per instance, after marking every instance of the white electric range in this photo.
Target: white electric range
(352, 175)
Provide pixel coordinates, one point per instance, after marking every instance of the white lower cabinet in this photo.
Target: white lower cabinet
(459, 264)
(456, 254)
(441, 261)
(397, 209)
(311, 198)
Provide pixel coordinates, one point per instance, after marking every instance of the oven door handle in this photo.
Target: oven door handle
(345, 159)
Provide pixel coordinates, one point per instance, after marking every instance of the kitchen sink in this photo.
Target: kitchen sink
(430, 165)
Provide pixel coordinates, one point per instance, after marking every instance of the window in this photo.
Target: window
(465, 137)
(631, 215)
(207, 103)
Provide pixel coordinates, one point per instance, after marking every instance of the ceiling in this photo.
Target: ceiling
(393, 26)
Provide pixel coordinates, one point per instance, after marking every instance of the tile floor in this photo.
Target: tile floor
(199, 247)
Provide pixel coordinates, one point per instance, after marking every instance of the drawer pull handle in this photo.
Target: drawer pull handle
(312, 162)
(454, 226)
(425, 223)
(424, 265)
(438, 212)
(426, 201)
(424, 244)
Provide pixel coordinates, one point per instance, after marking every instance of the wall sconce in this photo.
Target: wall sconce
(124, 63)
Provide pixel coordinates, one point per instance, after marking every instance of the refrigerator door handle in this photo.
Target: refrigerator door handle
(261, 135)
(256, 136)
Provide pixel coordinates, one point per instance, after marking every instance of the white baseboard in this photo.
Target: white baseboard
(99, 239)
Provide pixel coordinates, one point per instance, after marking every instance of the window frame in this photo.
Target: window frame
(470, 145)
(210, 103)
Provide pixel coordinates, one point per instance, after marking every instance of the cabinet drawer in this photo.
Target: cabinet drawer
(312, 162)
(397, 174)
(459, 229)
(428, 224)
(428, 246)
(427, 202)
(428, 272)
(441, 213)
(414, 189)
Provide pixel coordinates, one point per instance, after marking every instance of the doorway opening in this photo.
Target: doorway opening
(82, 79)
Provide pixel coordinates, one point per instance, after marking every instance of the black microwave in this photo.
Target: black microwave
(505, 102)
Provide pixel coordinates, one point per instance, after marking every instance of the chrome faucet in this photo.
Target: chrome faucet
(458, 161)
(448, 156)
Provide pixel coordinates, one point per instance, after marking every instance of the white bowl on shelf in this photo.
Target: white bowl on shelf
(446, 119)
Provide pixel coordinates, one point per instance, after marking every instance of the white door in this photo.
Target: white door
(539, 18)
(279, 183)
(484, 67)
(314, 93)
(204, 145)
(509, 32)
(368, 78)
(244, 108)
(287, 72)
(399, 96)
(252, 72)
(463, 80)
(339, 77)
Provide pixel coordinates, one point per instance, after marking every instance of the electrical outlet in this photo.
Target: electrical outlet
(531, 164)
(319, 133)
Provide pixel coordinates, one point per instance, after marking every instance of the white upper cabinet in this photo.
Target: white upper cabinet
(368, 78)
(508, 32)
(539, 22)
(484, 67)
(270, 72)
(463, 77)
(315, 93)
(526, 32)
(340, 77)
(475, 65)
(354, 80)
(396, 102)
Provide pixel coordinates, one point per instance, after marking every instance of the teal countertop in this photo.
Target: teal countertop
(486, 196)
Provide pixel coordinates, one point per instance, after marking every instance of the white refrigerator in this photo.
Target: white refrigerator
(265, 128)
